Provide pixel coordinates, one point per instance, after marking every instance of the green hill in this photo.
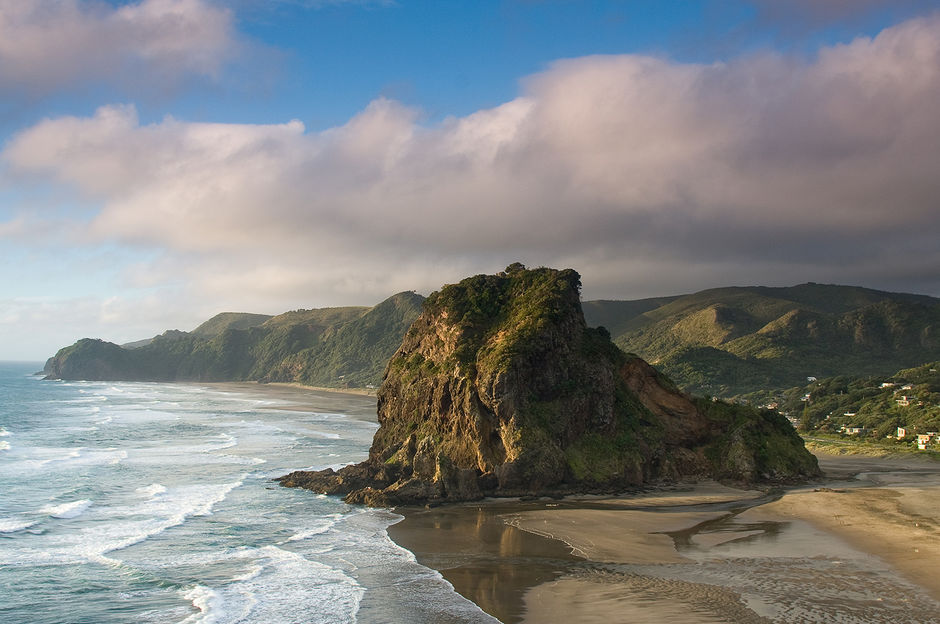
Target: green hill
(229, 320)
(729, 341)
(332, 347)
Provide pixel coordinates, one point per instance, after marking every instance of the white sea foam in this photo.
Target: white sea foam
(84, 400)
(210, 605)
(67, 510)
(323, 524)
(152, 490)
(43, 456)
(323, 435)
(12, 525)
(227, 441)
(4, 445)
(170, 509)
(116, 528)
(3, 432)
(194, 454)
(70, 458)
(128, 415)
(267, 592)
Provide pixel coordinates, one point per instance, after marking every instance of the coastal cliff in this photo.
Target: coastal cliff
(499, 388)
(332, 347)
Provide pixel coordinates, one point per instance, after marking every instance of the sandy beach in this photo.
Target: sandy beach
(298, 397)
(859, 547)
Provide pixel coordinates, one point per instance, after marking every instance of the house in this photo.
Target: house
(904, 401)
(811, 379)
(926, 439)
(902, 433)
(907, 387)
(888, 384)
(853, 430)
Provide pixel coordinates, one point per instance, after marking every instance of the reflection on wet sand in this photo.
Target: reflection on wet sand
(700, 553)
(487, 560)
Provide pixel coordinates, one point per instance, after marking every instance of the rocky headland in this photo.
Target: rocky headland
(328, 347)
(499, 388)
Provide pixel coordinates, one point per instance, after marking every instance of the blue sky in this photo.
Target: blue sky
(164, 160)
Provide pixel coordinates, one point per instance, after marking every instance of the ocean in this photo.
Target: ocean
(154, 503)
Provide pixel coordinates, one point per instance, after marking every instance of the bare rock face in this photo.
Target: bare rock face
(500, 389)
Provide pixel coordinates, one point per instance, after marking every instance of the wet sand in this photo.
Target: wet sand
(891, 509)
(299, 386)
(353, 402)
(852, 549)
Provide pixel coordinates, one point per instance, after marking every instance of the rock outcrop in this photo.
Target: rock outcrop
(500, 389)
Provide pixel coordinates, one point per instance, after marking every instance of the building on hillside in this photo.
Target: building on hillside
(904, 401)
(888, 384)
(853, 430)
(925, 440)
(902, 433)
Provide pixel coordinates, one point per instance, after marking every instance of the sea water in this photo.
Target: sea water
(145, 502)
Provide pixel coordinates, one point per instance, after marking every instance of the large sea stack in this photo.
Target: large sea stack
(500, 389)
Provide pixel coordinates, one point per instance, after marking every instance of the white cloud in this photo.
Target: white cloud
(649, 176)
(46, 45)
(32, 328)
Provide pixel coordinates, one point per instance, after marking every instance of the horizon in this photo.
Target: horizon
(171, 158)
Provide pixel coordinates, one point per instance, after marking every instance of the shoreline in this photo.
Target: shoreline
(862, 541)
(859, 542)
(295, 384)
(300, 398)
(287, 386)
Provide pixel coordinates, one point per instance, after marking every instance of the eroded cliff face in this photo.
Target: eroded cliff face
(500, 389)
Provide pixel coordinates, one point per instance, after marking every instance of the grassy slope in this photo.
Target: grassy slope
(730, 341)
(229, 320)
